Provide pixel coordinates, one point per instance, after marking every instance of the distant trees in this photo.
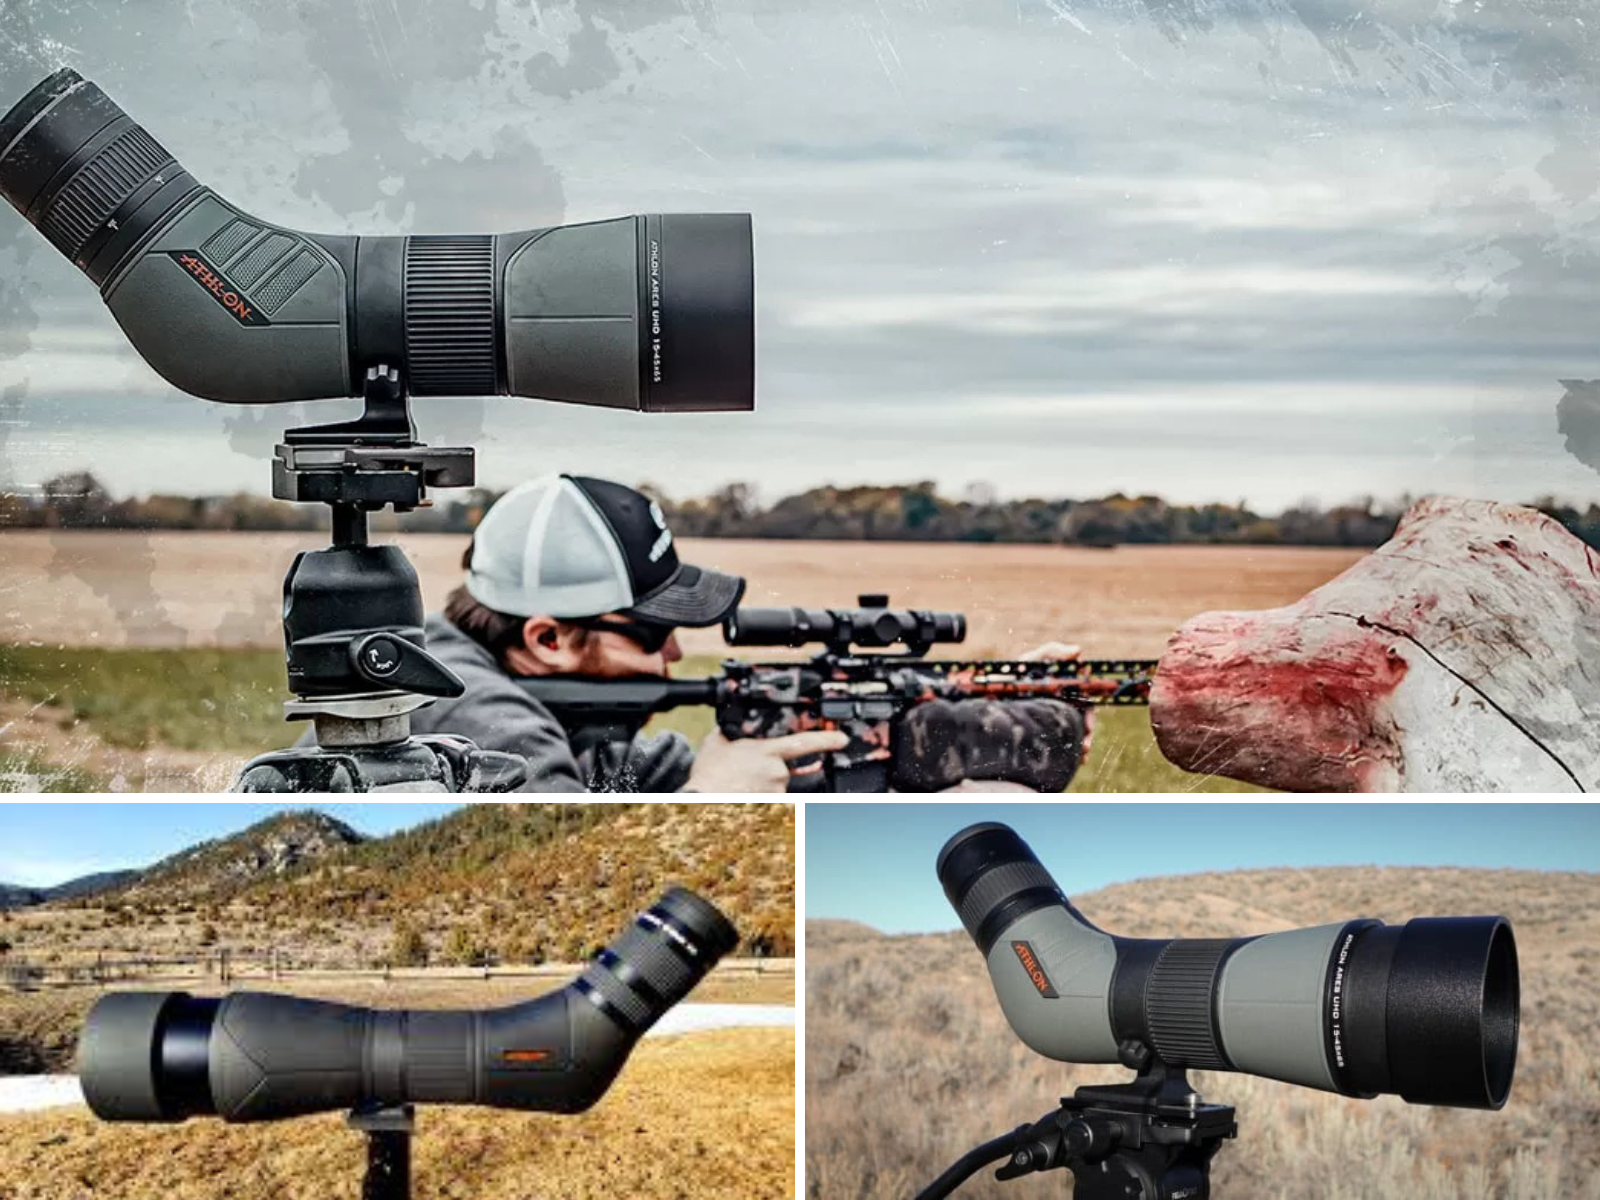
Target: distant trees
(898, 512)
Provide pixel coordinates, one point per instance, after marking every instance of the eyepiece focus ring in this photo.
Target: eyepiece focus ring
(995, 886)
(991, 879)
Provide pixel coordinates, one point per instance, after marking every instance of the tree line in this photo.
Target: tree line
(896, 512)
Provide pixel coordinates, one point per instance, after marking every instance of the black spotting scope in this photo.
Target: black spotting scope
(1427, 1010)
(252, 1056)
(653, 313)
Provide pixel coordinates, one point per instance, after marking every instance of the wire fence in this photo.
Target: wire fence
(225, 966)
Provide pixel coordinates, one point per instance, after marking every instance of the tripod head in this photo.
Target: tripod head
(1151, 1139)
(352, 614)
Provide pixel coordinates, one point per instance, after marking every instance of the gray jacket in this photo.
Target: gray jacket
(1036, 743)
(498, 715)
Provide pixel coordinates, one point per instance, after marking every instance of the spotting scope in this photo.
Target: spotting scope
(252, 1056)
(653, 313)
(1427, 1010)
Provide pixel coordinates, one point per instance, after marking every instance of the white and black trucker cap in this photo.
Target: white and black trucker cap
(570, 546)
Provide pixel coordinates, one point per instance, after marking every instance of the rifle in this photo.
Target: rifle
(862, 694)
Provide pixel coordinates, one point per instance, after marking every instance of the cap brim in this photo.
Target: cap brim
(694, 596)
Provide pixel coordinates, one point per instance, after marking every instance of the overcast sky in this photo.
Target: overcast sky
(1217, 249)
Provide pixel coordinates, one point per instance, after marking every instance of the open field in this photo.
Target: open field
(211, 589)
(910, 1062)
(710, 1113)
(152, 662)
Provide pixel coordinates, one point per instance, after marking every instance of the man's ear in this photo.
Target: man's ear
(546, 649)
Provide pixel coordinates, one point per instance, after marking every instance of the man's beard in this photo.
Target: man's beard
(592, 661)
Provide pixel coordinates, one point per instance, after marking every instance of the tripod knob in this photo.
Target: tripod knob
(1087, 1139)
(389, 661)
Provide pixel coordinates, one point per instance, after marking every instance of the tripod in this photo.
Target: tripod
(388, 1129)
(1151, 1139)
(352, 616)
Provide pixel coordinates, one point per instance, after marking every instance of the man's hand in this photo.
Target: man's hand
(1065, 652)
(755, 764)
(1052, 652)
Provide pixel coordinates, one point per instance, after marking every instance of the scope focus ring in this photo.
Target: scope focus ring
(1178, 1003)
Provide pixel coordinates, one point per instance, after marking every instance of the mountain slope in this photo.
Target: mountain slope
(556, 880)
(514, 882)
(223, 866)
(90, 885)
(15, 895)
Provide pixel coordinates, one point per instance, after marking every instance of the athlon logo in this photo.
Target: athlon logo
(221, 290)
(1030, 964)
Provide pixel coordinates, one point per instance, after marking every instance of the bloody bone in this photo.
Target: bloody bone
(1462, 655)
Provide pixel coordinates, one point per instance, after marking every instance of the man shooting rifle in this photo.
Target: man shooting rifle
(913, 723)
(569, 576)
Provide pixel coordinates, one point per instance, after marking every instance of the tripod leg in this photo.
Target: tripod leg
(388, 1131)
(388, 1166)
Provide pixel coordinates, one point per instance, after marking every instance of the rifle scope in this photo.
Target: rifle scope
(654, 313)
(874, 623)
(251, 1056)
(1427, 1010)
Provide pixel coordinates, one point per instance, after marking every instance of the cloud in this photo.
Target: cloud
(1112, 224)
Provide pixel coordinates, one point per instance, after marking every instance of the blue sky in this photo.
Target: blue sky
(874, 862)
(45, 844)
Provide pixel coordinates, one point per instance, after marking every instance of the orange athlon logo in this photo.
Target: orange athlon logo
(1030, 964)
(223, 292)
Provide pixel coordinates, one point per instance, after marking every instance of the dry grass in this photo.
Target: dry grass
(708, 1114)
(218, 589)
(39, 1032)
(909, 1061)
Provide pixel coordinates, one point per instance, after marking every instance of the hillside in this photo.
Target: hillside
(557, 880)
(225, 866)
(511, 882)
(828, 933)
(15, 895)
(909, 1061)
(89, 885)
